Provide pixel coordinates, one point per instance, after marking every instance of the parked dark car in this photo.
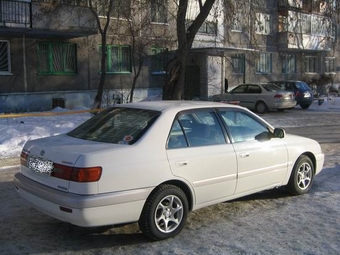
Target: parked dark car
(303, 92)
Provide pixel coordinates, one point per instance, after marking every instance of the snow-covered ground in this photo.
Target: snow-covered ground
(14, 132)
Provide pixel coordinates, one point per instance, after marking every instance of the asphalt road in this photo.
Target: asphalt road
(270, 222)
(321, 125)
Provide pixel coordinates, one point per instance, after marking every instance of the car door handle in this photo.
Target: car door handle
(181, 163)
(244, 155)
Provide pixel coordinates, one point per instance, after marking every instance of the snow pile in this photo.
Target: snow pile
(14, 132)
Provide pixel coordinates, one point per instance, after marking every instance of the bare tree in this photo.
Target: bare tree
(143, 35)
(173, 89)
(131, 19)
(106, 6)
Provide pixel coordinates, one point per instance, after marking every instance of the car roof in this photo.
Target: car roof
(288, 81)
(164, 105)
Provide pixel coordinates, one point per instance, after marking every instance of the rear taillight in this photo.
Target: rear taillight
(298, 94)
(278, 96)
(23, 158)
(76, 174)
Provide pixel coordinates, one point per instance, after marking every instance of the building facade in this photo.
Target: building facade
(50, 51)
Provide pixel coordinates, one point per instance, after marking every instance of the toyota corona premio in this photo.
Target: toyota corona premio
(154, 162)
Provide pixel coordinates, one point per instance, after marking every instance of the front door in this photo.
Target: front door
(262, 163)
(198, 152)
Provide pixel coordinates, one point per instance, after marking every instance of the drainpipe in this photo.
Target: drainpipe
(244, 68)
(24, 61)
(223, 74)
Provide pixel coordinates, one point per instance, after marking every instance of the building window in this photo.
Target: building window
(236, 23)
(264, 63)
(158, 11)
(237, 62)
(321, 26)
(288, 63)
(158, 60)
(311, 63)
(208, 27)
(329, 65)
(57, 58)
(118, 58)
(120, 9)
(5, 58)
(262, 23)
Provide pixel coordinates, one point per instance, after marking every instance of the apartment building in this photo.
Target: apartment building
(50, 50)
(290, 39)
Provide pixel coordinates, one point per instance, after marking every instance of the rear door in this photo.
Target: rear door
(240, 94)
(198, 151)
(252, 95)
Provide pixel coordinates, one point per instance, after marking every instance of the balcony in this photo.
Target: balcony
(304, 42)
(15, 15)
(45, 19)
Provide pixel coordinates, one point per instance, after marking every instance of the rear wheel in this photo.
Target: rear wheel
(165, 212)
(301, 178)
(261, 107)
(304, 106)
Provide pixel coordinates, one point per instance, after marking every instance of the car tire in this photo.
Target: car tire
(261, 107)
(165, 213)
(302, 176)
(304, 106)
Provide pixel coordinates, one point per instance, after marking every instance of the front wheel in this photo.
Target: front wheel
(165, 212)
(301, 178)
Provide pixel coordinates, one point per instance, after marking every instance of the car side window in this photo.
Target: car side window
(240, 89)
(241, 126)
(196, 128)
(176, 138)
(254, 89)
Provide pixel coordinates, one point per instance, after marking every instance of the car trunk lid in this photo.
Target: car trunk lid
(42, 160)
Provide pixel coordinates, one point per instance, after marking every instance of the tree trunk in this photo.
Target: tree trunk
(140, 65)
(174, 87)
(98, 99)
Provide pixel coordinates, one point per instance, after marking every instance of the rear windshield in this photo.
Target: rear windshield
(116, 125)
(302, 85)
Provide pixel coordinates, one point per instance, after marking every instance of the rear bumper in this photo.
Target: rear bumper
(284, 105)
(83, 210)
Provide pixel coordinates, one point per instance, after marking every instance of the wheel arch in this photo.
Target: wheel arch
(312, 158)
(184, 187)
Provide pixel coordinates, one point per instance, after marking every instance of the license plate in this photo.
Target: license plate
(40, 165)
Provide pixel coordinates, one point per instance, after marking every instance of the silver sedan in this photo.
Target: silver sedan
(259, 97)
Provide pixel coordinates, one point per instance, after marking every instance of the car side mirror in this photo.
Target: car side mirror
(279, 133)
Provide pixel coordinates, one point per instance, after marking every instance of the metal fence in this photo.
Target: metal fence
(65, 2)
(14, 13)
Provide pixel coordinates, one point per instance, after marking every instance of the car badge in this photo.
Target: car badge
(42, 153)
